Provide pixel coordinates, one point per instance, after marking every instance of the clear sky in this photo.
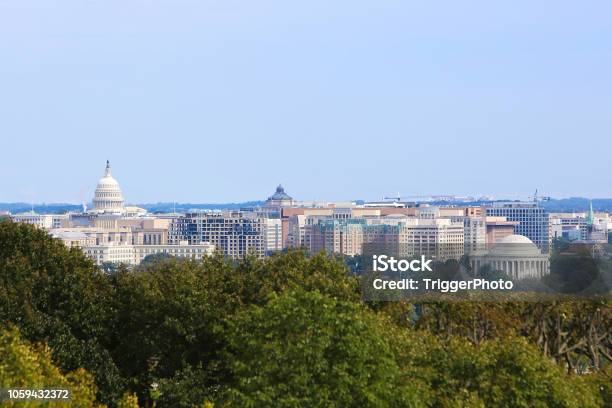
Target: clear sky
(218, 101)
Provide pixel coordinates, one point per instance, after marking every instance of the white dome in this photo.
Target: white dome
(515, 239)
(515, 245)
(108, 196)
(108, 182)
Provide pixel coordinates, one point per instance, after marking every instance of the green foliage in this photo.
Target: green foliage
(25, 366)
(563, 266)
(601, 381)
(128, 401)
(166, 320)
(58, 296)
(295, 269)
(188, 388)
(154, 258)
(290, 330)
(476, 321)
(38, 273)
(305, 349)
(169, 323)
(507, 372)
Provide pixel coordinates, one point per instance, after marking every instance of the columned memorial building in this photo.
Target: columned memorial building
(515, 255)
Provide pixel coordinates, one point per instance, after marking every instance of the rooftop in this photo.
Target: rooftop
(280, 194)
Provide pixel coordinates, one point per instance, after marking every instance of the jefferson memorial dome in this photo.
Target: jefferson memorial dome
(516, 245)
(108, 197)
(516, 255)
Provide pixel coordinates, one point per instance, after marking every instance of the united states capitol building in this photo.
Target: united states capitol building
(113, 232)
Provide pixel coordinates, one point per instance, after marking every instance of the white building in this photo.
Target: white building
(44, 221)
(440, 238)
(134, 254)
(108, 197)
(475, 233)
(75, 237)
(515, 255)
(273, 231)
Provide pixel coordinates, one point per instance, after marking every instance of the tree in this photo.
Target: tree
(508, 372)
(295, 269)
(574, 271)
(58, 296)
(475, 321)
(153, 258)
(168, 318)
(306, 349)
(576, 333)
(169, 323)
(288, 330)
(25, 366)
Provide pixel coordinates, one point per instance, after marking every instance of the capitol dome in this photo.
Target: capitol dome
(108, 196)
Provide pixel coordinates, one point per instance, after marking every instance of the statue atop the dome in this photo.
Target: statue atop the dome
(107, 171)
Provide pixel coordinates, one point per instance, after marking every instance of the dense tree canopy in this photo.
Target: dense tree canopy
(305, 349)
(289, 330)
(58, 296)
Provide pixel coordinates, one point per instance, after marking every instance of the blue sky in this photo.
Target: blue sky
(217, 101)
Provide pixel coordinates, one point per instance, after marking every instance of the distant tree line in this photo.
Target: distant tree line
(573, 204)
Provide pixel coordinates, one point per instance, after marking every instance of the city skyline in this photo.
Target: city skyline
(423, 198)
(348, 203)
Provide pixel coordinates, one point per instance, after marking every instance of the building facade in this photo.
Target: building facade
(234, 233)
(398, 235)
(108, 197)
(498, 228)
(134, 254)
(44, 221)
(516, 256)
(533, 220)
(273, 235)
(279, 199)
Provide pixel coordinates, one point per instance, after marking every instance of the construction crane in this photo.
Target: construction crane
(535, 197)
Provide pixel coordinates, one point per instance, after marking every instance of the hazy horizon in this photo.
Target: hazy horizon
(218, 102)
(88, 203)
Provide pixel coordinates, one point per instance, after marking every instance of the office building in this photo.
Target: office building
(236, 234)
(44, 221)
(439, 238)
(134, 254)
(533, 220)
(497, 228)
(273, 235)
